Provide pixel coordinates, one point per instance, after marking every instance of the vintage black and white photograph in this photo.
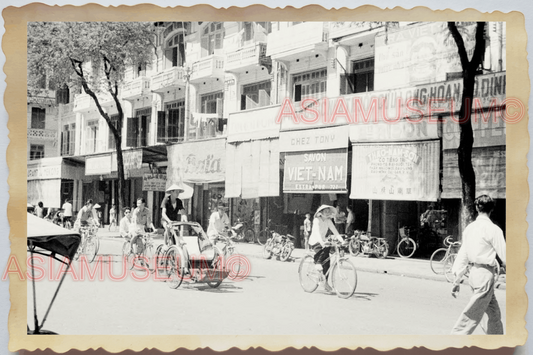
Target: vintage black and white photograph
(267, 178)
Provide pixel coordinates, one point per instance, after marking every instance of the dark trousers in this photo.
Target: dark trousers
(321, 254)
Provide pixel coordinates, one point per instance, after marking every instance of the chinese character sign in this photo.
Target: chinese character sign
(407, 172)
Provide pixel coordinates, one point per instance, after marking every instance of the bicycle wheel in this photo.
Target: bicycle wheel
(437, 260)
(354, 246)
(285, 253)
(249, 235)
(91, 248)
(159, 260)
(448, 264)
(344, 278)
(308, 274)
(174, 267)
(263, 236)
(406, 247)
(218, 268)
(267, 249)
(149, 255)
(382, 249)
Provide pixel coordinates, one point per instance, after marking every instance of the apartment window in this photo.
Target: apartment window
(255, 95)
(171, 122)
(140, 70)
(138, 128)
(63, 95)
(91, 137)
(36, 151)
(363, 75)
(175, 52)
(111, 144)
(67, 139)
(248, 34)
(310, 85)
(38, 116)
(212, 103)
(212, 36)
(41, 82)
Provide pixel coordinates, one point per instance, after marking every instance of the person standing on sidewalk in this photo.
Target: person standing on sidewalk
(112, 217)
(350, 219)
(307, 230)
(322, 223)
(482, 241)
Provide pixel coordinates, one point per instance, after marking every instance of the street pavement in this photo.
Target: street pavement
(269, 300)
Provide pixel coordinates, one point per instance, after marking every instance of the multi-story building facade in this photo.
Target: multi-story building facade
(216, 109)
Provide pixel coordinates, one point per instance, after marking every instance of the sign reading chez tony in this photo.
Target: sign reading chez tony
(408, 172)
(316, 171)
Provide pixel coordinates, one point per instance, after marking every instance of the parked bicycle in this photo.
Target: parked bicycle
(438, 257)
(268, 232)
(406, 244)
(280, 246)
(227, 246)
(342, 271)
(89, 244)
(144, 254)
(241, 232)
(362, 243)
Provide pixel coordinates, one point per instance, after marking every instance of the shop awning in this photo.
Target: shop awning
(252, 169)
(197, 162)
(407, 171)
(489, 166)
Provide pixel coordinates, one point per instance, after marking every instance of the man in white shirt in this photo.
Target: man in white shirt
(125, 224)
(67, 211)
(218, 222)
(482, 241)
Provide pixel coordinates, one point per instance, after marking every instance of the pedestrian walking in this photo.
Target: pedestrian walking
(67, 213)
(482, 241)
(307, 230)
(112, 218)
(39, 210)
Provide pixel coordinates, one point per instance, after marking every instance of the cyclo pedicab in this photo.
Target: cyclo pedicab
(196, 260)
(50, 240)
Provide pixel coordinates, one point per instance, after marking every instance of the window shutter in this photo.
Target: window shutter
(175, 57)
(168, 58)
(161, 137)
(243, 102)
(264, 98)
(144, 130)
(220, 108)
(131, 132)
(181, 48)
(218, 41)
(205, 45)
(297, 93)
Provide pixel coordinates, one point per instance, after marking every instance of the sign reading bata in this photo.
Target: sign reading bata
(316, 171)
(154, 182)
(408, 172)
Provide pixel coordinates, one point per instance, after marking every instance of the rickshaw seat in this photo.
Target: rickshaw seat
(194, 249)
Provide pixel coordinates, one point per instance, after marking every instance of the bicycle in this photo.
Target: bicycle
(438, 257)
(267, 232)
(90, 243)
(145, 251)
(229, 250)
(343, 272)
(406, 246)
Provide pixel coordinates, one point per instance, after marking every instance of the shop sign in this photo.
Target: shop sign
(317, 171)
(98, 165)
(316, 139)
(408, 172)
(401, 131)
(44, 172)
(154, 182)
(253, 124)
(132, 160)
(197, 162)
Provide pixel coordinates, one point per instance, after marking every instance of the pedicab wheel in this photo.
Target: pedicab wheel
(383, 249)
(436, 262)
(448, 264)
(285, 253)
(308, 274)
(159, 263)
(406, 248)
(91, 249)
(355, 247)
(267, 249)
(218, 269)
(263, 237)
(344, 278)
(249, 235)
(174, 267)
(148, 254)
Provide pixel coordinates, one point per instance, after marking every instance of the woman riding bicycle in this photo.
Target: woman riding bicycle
(317, 240)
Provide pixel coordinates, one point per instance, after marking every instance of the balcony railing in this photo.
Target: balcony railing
(297, 38)
(212, 66)
(136, 88)
(247, 56)
(171, 77)
(42, 134)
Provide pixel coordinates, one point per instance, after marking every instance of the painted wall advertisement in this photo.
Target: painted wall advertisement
(406, 171)
(316, 171)
(154, 182)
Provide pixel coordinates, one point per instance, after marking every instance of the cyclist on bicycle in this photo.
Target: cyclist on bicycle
(86, 215)
(317, 240)
(218, 222)
(171, 210)
(141, 220)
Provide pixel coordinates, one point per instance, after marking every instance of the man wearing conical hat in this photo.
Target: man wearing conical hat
(171, 209)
